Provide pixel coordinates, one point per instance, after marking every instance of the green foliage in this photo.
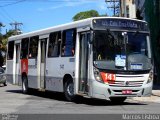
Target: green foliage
(103, 15)
(3, 44)
(85, 14)
(4, 38)
(9, 34)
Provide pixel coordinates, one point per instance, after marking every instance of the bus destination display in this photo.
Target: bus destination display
(119, 24)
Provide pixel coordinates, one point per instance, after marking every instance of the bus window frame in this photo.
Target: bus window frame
(58, 43)
(64, 39)
(28, 42)
(31, 38)
(8, 57)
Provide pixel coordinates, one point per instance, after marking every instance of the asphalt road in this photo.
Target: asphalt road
(12, 101)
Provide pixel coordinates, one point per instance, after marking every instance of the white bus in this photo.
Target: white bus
(102, 57)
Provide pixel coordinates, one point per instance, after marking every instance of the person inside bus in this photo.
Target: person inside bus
(105, 52)
(67, 51)
(73, 51)
(33, 52)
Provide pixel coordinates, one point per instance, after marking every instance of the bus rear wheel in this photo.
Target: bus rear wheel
(118, 100)
(69, 90)
(25, 85)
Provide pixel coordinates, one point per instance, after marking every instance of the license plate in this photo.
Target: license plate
(126, 92)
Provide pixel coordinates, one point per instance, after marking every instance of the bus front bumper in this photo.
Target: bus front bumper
(104, 91)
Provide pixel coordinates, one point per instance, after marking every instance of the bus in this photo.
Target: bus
(101, 57)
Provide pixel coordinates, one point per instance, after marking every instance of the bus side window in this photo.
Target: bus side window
(33, 47)
(24, 48)
(10, 50)
(54, 44)
(68, 42)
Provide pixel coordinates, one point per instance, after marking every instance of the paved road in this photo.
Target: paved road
(13, 101)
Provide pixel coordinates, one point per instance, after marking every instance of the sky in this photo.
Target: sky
(40, 14)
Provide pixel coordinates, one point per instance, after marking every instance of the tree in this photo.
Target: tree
(5, 38)
(3, 45)
(85, 14)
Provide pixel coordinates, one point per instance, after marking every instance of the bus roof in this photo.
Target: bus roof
(76, 24)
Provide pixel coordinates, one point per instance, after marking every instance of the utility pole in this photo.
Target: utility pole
(115, 5)
(16, 26)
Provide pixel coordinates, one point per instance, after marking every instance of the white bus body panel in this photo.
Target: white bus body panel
(32, 73)
(9, 71)
(56, 72)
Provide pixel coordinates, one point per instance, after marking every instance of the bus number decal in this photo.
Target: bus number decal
(108, 77)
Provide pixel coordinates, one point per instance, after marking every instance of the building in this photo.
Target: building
(128, 8)
(140, 7)
(149, 10)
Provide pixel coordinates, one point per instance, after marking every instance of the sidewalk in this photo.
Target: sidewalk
(155, 97)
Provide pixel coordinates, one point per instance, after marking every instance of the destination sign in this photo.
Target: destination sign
(124, 24)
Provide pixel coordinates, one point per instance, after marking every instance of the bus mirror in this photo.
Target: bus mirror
(124, 34)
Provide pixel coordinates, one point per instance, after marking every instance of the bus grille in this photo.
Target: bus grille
(126, 83)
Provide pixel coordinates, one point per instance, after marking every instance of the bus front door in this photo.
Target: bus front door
(42, 62)
(83, 62)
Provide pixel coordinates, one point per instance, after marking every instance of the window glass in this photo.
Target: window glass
(68, 43)
(137, 43)
(10, 50)
(112, 50)
(54, 44)
(33, 47)
(24, 48)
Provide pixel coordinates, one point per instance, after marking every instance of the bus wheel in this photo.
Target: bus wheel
(69, 90)
(24, 85)
(118, 100)
(5, 84)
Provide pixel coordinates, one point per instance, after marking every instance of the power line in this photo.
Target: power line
(45, 0)
(16, 2)
(7, 14)
(12, 2)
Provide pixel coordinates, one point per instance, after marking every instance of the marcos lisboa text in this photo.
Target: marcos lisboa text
(141, 116)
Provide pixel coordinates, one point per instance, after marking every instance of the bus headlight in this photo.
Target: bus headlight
(150, 78)
(97, 75)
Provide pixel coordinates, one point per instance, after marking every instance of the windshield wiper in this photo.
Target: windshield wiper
(109, 33)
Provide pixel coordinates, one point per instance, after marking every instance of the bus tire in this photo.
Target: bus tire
(117, 100)
(25, 85)
(5, 83)
(69, 90)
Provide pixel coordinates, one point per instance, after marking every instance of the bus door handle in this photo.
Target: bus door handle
(62, 66)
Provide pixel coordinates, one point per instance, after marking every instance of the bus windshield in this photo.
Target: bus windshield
(117, 50)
